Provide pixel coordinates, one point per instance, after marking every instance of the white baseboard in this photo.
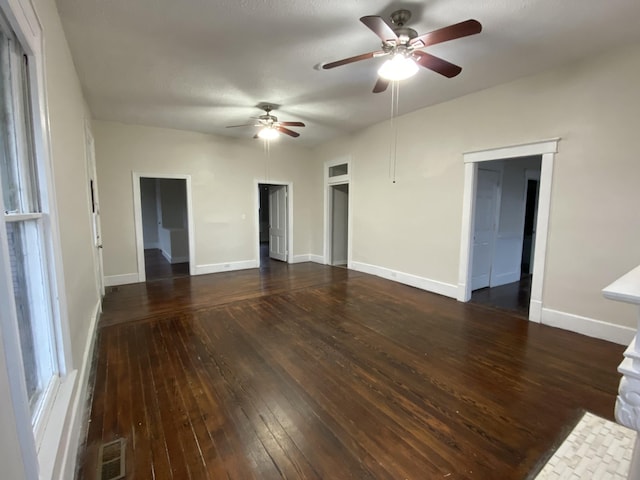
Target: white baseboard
(435, 286)
(167, 256)
(307, 258)
(316, 259)
(152, 245)
(588, 326)
(113, 280)
(225, 267)
(301, 258)
(504, 278)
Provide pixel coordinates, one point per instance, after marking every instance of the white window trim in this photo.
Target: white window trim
(39, 442)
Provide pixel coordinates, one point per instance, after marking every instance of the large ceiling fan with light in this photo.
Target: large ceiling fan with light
(403, 45)
(270, 127)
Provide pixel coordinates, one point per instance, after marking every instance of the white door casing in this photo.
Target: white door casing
(485, 227)
(95, 210)
(547, 149)
(278, 222)
(329, 182)
(137, 214)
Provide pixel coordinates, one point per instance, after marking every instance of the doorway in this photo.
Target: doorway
(164, 229)
(339, 211)
(337, 208)
(500, 241)
(545, 152)
(274, 240)
(95, 211)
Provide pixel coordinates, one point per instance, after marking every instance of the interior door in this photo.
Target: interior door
(484, 227)
(95, 211)
(278, 222)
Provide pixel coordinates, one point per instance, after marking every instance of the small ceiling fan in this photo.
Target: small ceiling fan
(403, 44)
(269, 125)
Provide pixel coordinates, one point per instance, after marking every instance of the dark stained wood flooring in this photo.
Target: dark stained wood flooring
(307, 372)
(157, 267)
(514, 296)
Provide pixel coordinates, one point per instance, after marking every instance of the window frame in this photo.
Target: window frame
(32, 431)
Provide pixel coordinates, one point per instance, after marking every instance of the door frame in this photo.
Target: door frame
(256, 192)
(329, 251)
(94, 201)
(137, 215)
(547, 149)
(328, 206)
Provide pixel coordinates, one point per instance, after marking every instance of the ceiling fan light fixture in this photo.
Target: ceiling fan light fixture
(400, 67)
(268, 133)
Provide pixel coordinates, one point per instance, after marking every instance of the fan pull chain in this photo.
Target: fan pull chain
(393, 145)
(267, 156)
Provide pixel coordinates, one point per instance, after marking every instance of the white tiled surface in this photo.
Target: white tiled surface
(595, 449)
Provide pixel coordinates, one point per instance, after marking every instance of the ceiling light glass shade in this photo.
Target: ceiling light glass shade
(268, 133)
(398, 68)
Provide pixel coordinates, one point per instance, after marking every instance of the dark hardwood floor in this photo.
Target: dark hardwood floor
(308, 371)
(514, 296)
(157, 267)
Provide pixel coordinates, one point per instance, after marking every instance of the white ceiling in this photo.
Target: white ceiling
(203, 64)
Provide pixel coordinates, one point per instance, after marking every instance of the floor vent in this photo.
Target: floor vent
(111, 460)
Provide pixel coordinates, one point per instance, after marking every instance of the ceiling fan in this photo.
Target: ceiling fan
(403, 44)
(270, 127)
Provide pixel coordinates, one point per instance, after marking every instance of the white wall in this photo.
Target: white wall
(224, 194)
(595, 223)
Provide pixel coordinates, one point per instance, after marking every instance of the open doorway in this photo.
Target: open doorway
(163, 227)
(337, 217)
(339, 212)
(273, 223)
(506, 201)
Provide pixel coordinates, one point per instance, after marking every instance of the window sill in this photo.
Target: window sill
(56, 418)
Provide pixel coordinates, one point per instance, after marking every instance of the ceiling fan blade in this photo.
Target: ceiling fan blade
(357, 58)
(286, 131)
(381, 85)
(292, 124)
(436, 64)
(458, 30)
(381, 28)
(245, 125)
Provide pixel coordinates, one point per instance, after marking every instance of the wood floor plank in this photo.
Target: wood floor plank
(312, 372)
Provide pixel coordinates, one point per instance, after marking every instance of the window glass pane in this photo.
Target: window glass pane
(17, 160)
(19, 252)
(338, 170)
(8, 154)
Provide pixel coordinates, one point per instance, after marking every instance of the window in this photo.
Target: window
(338, 170)
(25, 224)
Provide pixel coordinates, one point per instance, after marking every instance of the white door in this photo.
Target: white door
(278, 222)
(484, 227)
(95, 211)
